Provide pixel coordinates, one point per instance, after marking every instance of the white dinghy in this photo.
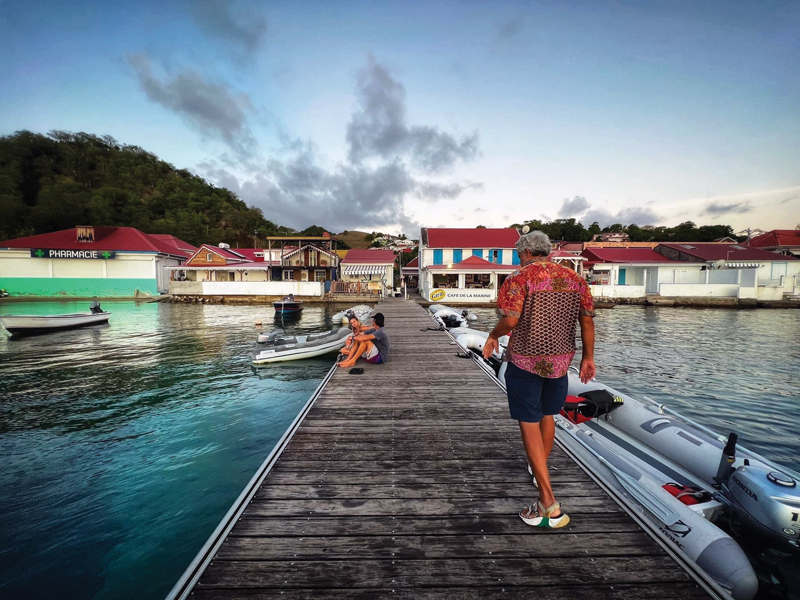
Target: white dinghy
(361, 311)
(684, 481)
(19, 325)
(450, 317)
(277, 346)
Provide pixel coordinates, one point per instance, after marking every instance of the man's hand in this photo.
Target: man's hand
(588, 371)
(490, 347)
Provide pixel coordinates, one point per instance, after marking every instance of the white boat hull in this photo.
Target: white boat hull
(301, 350)
(27, 324)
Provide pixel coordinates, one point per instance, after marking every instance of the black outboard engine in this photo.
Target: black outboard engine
(450, 321)
(95, 307)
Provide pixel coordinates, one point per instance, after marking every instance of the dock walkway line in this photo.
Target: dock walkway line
(406, 482)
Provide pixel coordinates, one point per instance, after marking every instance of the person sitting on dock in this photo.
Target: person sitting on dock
(372, 344)
(350, 344)
(542, 303)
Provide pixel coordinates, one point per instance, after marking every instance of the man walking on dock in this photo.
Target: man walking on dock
(542, 302)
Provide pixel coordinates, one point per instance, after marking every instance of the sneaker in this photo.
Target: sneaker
(538, 516)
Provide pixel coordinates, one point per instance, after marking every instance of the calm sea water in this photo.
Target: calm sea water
(124, 445)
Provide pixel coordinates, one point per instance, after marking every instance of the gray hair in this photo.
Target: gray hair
(535, 242)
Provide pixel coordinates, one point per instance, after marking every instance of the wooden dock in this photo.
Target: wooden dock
(406, 482)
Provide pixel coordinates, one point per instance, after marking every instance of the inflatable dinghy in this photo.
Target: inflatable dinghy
(682, 479)
(451, 317)
(361, 311)
(277, 347)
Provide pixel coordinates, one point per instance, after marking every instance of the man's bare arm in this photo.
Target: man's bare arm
(588, 370)
(503, 327)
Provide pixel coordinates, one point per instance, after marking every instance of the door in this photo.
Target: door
(622, 277)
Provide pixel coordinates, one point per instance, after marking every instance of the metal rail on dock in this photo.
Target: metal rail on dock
(192, 574)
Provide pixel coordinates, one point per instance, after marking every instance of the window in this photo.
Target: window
(477, 252)
(457, 255)
(438, 258)
(445, 280)
(514, 257)
(209, 257)
(319, 275)
(477, 280)
(312, 258)
(288, 275)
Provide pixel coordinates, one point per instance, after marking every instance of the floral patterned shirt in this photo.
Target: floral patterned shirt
(548, 299)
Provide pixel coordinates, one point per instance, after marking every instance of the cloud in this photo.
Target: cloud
(716, 208)
(627, 216)
(573, 208)
(379, 128)
(246, 29)
(386, 161)
(510, 29)
(212, 109)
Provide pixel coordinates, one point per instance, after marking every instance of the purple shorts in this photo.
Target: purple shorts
(375, 360)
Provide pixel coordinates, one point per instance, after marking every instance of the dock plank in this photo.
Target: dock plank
(406, 482)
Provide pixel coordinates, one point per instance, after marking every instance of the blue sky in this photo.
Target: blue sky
(367, 115)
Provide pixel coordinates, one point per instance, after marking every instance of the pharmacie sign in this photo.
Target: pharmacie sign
(54, 253)
(460, 294)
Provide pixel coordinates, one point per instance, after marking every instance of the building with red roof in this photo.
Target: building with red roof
(783, 241)
(90, 261)
(373, 266)
(692, 269)
(465, 265)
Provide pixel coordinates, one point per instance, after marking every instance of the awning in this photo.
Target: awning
(601, 267)
(364, 269)
(741, 265)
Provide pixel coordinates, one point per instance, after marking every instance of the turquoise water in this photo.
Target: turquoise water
(124, 445)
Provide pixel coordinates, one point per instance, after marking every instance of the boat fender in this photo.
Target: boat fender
(688, 495)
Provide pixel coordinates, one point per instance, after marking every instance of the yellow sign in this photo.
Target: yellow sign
(437, 295)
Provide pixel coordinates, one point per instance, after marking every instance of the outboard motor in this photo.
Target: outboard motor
(767, 501)
(94, 307)
(450, 321)
(270, 338)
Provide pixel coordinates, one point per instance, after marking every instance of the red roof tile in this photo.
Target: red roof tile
(776, 238)
(369, 256)
(709, 251)
(624, 255)
(472, 238)
(105, 238)
(414, 262)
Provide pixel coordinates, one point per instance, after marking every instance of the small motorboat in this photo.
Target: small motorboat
(277, 346)
(361, 312)
(691, 487)
(19, 325)
(450, 317)
(288, 306)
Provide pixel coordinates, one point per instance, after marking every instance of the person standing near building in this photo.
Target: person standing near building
(542, 303)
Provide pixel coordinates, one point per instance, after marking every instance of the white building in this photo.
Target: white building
(90, 261)
(465, 265)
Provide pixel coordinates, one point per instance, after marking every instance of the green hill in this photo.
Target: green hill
(60, 180)
(355, 239)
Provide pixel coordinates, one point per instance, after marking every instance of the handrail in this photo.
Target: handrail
(193, 572)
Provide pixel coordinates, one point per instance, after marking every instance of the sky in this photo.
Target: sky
(389, 116)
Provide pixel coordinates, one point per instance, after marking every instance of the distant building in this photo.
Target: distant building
(304, 266)
(692, 269)
(373, 268)
(90, 261)
(465, 265)
(611, 236)
(782, 241)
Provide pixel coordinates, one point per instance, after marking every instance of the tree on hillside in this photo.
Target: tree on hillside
(63, 179)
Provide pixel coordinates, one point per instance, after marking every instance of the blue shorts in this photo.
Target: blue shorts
(530, 396)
